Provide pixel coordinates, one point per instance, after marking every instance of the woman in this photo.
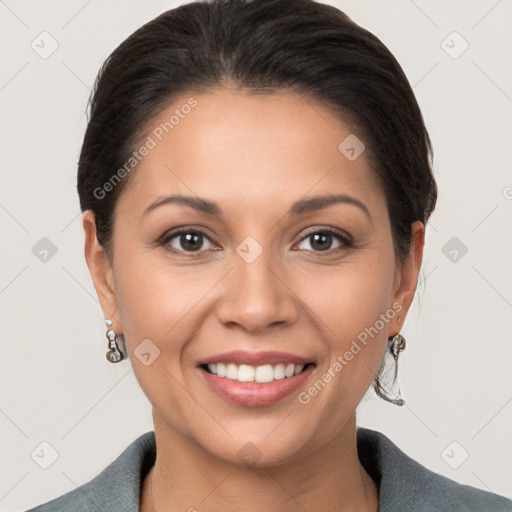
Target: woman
(255, 181)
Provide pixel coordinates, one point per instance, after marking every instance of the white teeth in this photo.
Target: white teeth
(264, 373)
(261, 374)
(279, 371)
(245, 373)
(289, 370)
(298, 369)
(232, 371)
(221, 369)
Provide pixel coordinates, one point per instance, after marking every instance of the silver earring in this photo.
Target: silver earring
(397, 345)
(114, 355)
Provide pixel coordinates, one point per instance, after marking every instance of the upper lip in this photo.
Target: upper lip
(239, 357)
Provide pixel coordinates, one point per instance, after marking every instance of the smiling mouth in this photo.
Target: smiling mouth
(257, 374)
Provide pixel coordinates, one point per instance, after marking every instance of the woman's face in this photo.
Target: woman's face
(265, 274)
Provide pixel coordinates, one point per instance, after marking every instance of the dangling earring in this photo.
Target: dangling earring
(114, 355)
(397, 345)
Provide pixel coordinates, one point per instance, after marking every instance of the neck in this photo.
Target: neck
(185, 477)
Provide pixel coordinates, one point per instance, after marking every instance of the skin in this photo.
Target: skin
(254, 155)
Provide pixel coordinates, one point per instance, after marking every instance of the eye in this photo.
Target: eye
(187, 240)
(322, 240)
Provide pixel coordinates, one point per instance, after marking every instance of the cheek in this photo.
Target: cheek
(163, 304)
(352, 306)
(159, 301)
(350, 298)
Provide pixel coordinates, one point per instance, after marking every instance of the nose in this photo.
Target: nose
(257, 296)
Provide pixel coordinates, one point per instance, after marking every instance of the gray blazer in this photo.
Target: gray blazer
(405, 485)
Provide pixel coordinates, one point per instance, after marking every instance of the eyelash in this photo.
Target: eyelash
(345, 240)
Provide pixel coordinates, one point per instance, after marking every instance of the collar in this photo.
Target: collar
(404, 485)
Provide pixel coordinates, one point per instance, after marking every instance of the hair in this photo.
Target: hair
(260, 46)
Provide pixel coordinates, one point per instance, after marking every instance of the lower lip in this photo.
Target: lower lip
(252, 394)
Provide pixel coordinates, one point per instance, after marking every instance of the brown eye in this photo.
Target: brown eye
(320, 241)
(187, 241)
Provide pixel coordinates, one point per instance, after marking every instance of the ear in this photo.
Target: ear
(407, 276)
(101, 271)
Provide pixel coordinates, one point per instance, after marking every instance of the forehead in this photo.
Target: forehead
(248, 148)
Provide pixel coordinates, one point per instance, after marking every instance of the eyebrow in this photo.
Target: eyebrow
(298, 208)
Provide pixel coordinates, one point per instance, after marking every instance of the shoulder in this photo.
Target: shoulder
(117, 487)
(406, 485)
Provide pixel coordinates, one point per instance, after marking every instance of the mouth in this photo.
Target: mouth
(255, 380)
(259, 374)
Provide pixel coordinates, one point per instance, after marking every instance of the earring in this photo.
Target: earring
(397, 345)
(114, 355)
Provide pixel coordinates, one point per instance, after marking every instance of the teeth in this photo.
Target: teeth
(298, 369)
(232, 371)
(264, 373)
(279, 371)
(245, 373)
(261, 374)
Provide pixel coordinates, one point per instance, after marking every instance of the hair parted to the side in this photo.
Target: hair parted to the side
(260, 46)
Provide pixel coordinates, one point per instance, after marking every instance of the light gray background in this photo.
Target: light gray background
(56, 385)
